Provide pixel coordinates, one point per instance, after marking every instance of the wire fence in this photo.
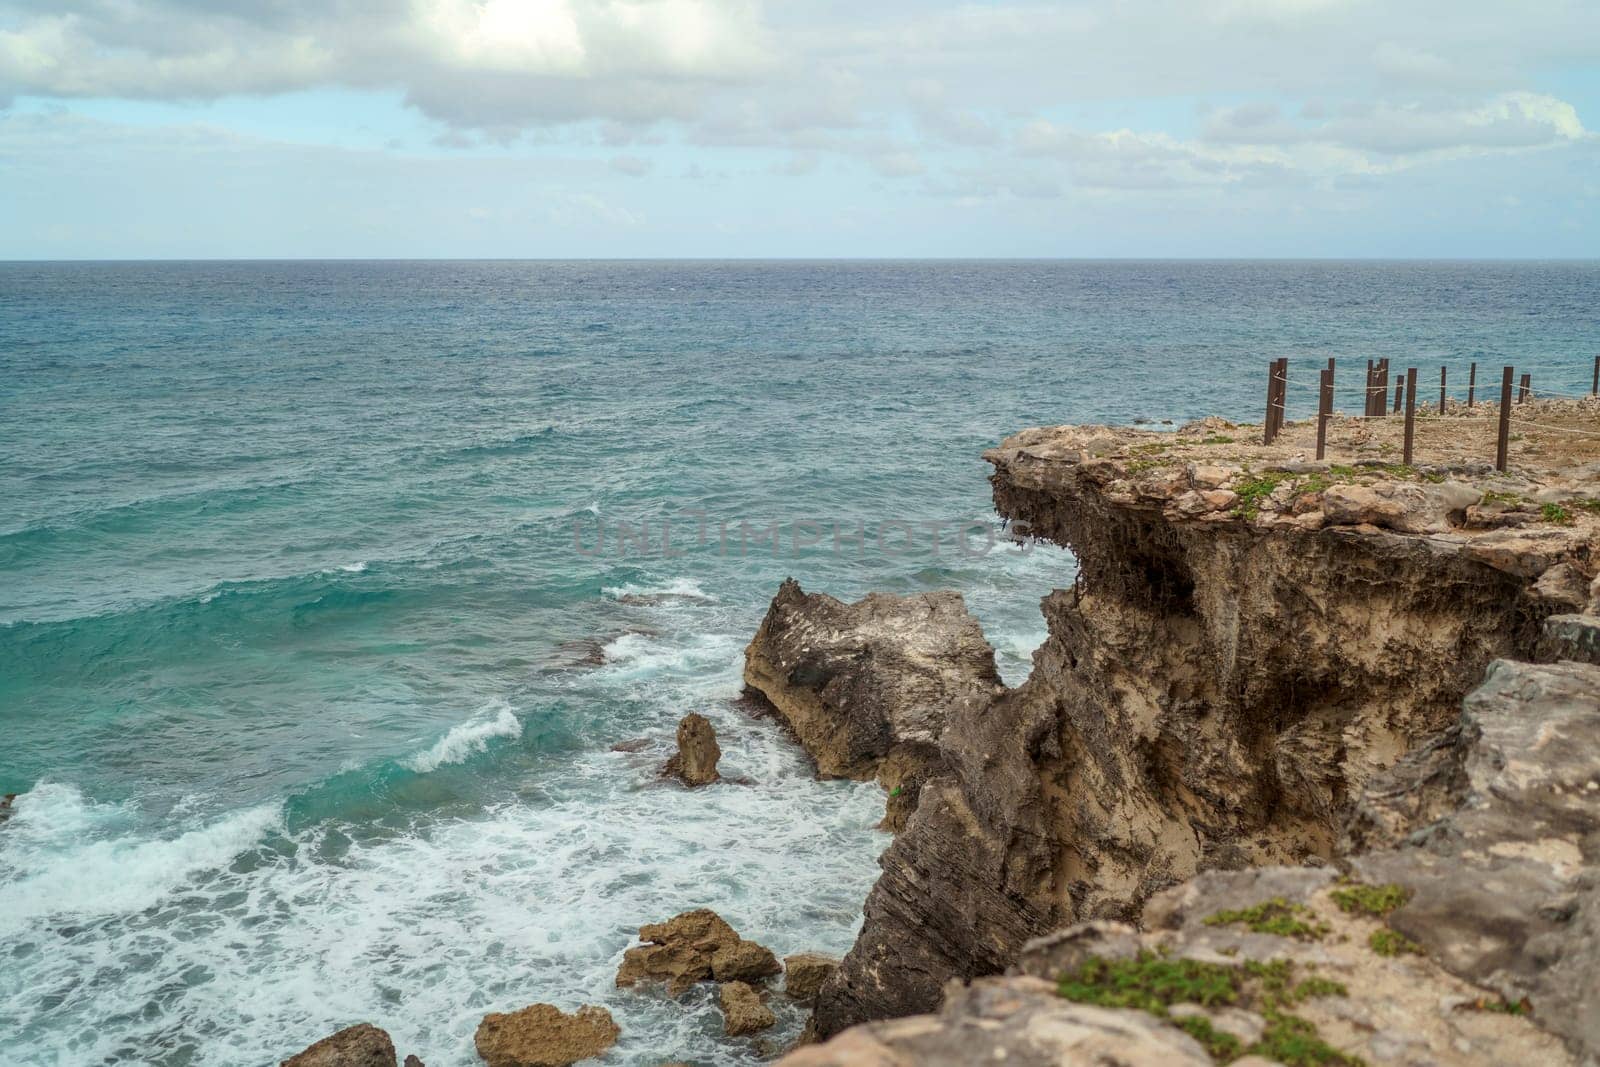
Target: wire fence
(1508, 405)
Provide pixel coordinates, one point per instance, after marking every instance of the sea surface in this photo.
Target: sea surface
(317, 631)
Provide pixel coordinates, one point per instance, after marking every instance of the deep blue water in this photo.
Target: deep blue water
(310, 667)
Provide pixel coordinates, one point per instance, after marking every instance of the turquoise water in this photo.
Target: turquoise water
(311, 667)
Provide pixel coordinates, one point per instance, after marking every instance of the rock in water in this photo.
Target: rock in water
(542, 1035)
(868, 687)
(6, 806)
(696, 760)
(742, 1010)
(412, 1061)
(804, 973)
(363, 1045)
(696, 946)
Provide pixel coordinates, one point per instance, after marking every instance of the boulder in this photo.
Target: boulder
(1411, 507)
(742, 1010)
(1018, 1021)
(697, 946)
(695, 762)
(868, 687)
(542, 1035)
(412, 1061)
(363, 1045)
(804, 973)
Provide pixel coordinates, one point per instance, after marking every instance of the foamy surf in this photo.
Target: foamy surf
(467, 739)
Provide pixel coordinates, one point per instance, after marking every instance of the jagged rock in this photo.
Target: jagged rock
(804, 973)
(542, 1035)
(695, 762)
(1410, 507)
(1020, 1022)
(363, 1045)
(742, 1010)
(412, 1061)
(1574, 637)
(697, 946)
(1505, 890)
(868, 687)
(1214, 693)
(7, 809)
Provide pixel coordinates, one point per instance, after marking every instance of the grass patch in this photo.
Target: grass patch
(1555, 513)
(1276, 916)
(1153, 983)
(1217, 439)
(1253, 490)
(1502, 1005)
(1388, 942)
(1219, 1045)
(1590, 504)
(1376, 900)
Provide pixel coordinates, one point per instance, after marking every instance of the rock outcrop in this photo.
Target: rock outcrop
(868, 687)
(542, 1035)
(697, 946)
(695, 762)
(363, 1045)
(1237, 661)
(742, 1010)
(804, 973)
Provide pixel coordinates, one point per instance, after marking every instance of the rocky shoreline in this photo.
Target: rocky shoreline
(1306, 771)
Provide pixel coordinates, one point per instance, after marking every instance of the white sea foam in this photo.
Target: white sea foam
(467, 739)
(66, 857)
(354, 568)
(680, 588)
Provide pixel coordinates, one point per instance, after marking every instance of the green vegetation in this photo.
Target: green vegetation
(1153, 982)
(1377, 900)
(1590, 504)
(1217, 439)
(1293, 1041)
(1555, 513)
(1275, 916)
(1253, 490)
(1495, 496)
(1219, 1045)
(1502, 1005)
(1388, 942)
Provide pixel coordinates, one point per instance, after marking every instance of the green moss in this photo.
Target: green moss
(1376, 900)
(1590, 504)
(1295, 1042)
(1150, 983)
(1555, 513)
(1502, 1005)
(1319, 987)
(1217, 439)
(1221, 1046)
(1495, 496)
(1388, 942)
(1275, 916)
(1153, 983)
(1253, 490)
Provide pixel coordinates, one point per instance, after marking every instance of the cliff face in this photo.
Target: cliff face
(1241, 655)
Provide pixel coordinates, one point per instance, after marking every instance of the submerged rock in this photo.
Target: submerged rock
(542, 1035)
(804, 973)
(362, 1045)
(697, 946)
(7, 803)
(695, 762)
(742, 1010)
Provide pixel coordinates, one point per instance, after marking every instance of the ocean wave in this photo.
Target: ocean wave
(672, 589)
(51, 870)
(467, 739)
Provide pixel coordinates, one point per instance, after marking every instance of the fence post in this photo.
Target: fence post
(1324, 409)
(1595, 389)
(1272, 385)
(1441, 390)
(1411, 411)
(1472, 382)
(1283, 395)
(1383, 386)
(1399, 394)
(1505, 421)
(1522, 394)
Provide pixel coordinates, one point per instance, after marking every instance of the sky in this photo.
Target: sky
(799, 128)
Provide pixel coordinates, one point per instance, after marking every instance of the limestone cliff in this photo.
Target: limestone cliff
(1249, 642)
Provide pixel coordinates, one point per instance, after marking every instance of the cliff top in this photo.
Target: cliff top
(1544, 509)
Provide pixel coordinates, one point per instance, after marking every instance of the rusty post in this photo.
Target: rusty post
(1324, 409)
(1595, 389)
(1472, 384)
(1441, 390)
(1383, 387)
(1399, 394)
(1283, 393)
(1522, 393)
(1505, 421)
(1411, 412)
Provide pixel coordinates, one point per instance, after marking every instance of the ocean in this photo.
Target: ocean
(328, 588)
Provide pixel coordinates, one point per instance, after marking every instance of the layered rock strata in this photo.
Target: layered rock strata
(1250, 641)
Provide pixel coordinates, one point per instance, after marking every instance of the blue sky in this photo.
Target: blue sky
(567, 128)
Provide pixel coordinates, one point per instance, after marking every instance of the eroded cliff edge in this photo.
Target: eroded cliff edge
(1251, 645)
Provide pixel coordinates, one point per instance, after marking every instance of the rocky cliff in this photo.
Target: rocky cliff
(1254, 654)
